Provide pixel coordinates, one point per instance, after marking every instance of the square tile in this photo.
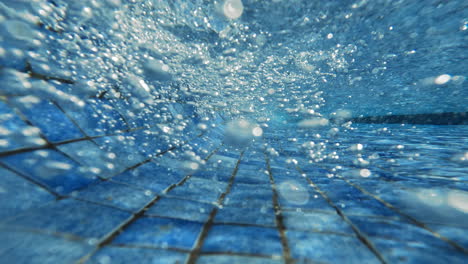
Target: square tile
(13, 127)
(255, 216)
(124, 255)
(249, 195)
(199, 189)
(226, 259)
(243, 239)
(79, 218)
(124, 147)
(96, 118)
(105, 163)
(116, 194)
(328, 248)
(24, 247)
(417, 252)
(150, 176)
(18, 194)
(46, 113)
(316, 222)
(390, 229)
(454, 233)
(179, 208)
(371, 207)
(51, 168)
(160, 232)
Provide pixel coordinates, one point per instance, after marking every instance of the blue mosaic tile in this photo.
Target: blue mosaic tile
(200, 189)
(150, 176)
(315, 222)
(126, 154)
(252, 175)
(92, 156)
(390, 229)
(249, 195)
(95, 119)
(243, 239)
(149, 141)
(45, 113)
(160, 232)
(115, 194)
(18, 194)
(26, 247)
(226, 259)
(255, 216)
(123, 255)
(11, 122)
(370, 207)
(454, 233)
(181, 209)
(329, 248)
(79, 218)
(398, 252)
(51, 168)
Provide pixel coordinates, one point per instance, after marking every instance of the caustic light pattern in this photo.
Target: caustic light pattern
(233, 131)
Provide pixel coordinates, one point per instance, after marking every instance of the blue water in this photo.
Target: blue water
(233, 131)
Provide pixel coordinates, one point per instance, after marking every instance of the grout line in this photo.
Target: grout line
(196, 250)
(395, 209)
(70, 118)
(66, 236)
(413, 220)
(32, 180)
(364, 239)
(279, 216)
(140, 213)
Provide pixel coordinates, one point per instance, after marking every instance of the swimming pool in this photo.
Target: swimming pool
(233, 131)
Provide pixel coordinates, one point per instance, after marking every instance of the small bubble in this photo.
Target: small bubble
(365, 173)
(442, 79)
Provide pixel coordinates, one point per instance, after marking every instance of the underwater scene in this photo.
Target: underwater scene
(233, 131)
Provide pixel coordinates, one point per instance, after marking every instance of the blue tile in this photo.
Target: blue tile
(249, 195)
(454, 233)
(23, 247)
(328, 248)
(252, 177)
(123, 255)
(18, 194)
(316, 222)
(12, 137)
(210, 172)
(256, 216)
(243, 239)
(199, 189)
(124, 147)
(104, 163)
(51, 168)
(71, 216)
(160, 232)
(390, 229)
(226, 259)
(115, 194)
(415, 253)
(150, 176)
(182, 209)
(46, 113)
(226, 162)
(247, 172)
(149, 141)
(370, 207)
(96, 119)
